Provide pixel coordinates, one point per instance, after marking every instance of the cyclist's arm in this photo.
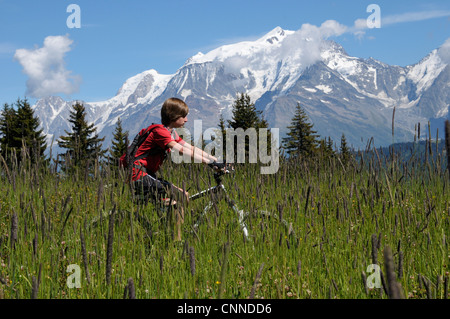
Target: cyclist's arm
(196, 150)
(193, 151)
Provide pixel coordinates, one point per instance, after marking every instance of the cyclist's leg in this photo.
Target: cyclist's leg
(158, 190)
(146, 189)
(165, 194)
(178, 209)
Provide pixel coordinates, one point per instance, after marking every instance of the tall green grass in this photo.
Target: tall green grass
(342, 218)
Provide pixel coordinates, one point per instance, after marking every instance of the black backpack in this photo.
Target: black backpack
(130, 154)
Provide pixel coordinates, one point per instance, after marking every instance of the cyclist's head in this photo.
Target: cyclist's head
(172, 109)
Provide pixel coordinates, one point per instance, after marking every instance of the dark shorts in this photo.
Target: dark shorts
(151, 188)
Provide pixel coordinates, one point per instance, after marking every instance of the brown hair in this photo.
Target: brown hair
(172, 109)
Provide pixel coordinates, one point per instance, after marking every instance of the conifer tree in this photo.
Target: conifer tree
(330, 145)
(222, 132)
(20, 128)
(119, 144)
(301, 138)
(326, 147)
(245, 116)
(27, 131)
(83, 144)
(7, 124)
(344, 151)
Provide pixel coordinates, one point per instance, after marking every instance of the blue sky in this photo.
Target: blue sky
(119, 39)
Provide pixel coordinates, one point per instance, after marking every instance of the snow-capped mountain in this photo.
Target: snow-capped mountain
(341, 94)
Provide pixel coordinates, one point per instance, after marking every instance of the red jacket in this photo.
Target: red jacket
(160, 136)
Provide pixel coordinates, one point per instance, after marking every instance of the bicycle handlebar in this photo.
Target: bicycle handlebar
(219, 173)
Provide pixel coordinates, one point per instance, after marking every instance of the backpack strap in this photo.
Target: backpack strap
(142, 138)
(137, 142)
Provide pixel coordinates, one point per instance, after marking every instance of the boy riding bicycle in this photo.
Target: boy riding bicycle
(151, 154)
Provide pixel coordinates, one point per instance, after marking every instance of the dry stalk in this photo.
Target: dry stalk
(14, 228)
(364, 280)
(84, 255)
(192, 260)
(374, 249)
(394, 290)
(255, 283)
(131, 289)
(447, 142)
(224, 268)
(109, 250)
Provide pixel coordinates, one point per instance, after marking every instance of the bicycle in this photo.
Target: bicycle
(220, 192)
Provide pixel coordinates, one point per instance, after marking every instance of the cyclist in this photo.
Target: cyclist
(151, 154)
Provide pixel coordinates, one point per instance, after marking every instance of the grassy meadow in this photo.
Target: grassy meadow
(342, 218)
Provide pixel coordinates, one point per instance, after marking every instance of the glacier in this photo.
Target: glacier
(341, 94)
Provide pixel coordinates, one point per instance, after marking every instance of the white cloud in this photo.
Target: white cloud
(45, 68)
(361, 24)
(302, 47)
(414, 16)
(444, 52)
(309, 41)
(332, 28)
(235, 63)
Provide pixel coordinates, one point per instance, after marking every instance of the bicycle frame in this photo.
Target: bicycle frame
(215, 189)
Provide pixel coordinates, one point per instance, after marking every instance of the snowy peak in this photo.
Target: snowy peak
(139, 88)
(53, 104)
(131, 84)
(341, 93)
(335, 57)
(242, 49)
(276, 35)
(426, 71)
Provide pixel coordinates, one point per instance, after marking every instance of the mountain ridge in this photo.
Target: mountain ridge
(341, 94)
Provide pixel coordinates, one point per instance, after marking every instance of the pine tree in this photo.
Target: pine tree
(301, 138)
(20, 129)
(326, 147)
(245, 116)
(267, 145)
(7, 124)
(330, 146)
(223, 133)
(119, 144)
(83, 144)
(27, 131)
(344, 151)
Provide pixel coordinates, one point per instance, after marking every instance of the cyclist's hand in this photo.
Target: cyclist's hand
(228, 168)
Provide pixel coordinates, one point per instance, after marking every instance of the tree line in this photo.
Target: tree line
(20, 134)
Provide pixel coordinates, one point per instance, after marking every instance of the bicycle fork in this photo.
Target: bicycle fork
(239, 213)
(231, 204)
